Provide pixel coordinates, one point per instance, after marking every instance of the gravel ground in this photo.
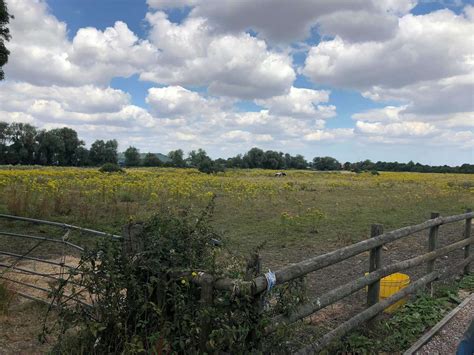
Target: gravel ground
(447, 339)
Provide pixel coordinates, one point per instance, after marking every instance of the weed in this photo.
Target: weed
(467, 282)
(408, 323)
(111, 168)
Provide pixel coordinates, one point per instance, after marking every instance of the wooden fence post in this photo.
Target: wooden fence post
(375, 262)
(253, 270)
(432, 245)
(131, 242)
(467, 248)
(207, 293)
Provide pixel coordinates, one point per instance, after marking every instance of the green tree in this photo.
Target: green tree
(3, 142)
(97, 152)
(236, 162)
(177, 158)
(111, 147)
(326, 163)
(151, 159)
(82, 156)
(24, 146)
(298, 162)
(4, 36)
(273, 160)
(132, 157)
(71, 144)
(196, 158)
(60, 146)
(254, 158)
(103, 152)
(208, 166)
(50, 148)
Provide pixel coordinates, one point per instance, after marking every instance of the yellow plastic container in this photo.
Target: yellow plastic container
(390, 285)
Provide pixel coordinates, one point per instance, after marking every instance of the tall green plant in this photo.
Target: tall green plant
(148, 302)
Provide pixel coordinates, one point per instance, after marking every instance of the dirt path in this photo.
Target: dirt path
(447, 339)
(20, 328)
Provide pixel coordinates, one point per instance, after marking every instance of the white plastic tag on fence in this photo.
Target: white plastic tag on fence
(271, 279)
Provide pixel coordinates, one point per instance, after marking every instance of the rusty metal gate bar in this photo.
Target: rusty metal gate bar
(14, 268)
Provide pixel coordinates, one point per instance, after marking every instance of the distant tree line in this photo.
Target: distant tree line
(22, 143)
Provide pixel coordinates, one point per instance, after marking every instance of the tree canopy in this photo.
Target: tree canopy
(132, 157)
(4, 36)
(21, 143)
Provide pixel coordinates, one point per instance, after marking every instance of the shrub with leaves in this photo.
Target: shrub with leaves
(405, 326)
(110, 168)
(467, 282)
(149, 302)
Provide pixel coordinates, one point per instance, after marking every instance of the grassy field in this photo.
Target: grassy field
(306, 210)
(297, 216)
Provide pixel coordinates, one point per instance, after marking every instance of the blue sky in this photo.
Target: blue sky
(380, 80)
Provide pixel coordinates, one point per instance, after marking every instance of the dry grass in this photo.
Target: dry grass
(43, 282)
(22, 319)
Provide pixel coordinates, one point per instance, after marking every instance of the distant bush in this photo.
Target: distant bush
(375, 172)
(110, 168)
(210, 167)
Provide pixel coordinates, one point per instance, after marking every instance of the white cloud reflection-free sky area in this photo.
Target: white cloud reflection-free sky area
(362, 79)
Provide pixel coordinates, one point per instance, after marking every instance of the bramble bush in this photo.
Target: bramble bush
(111, 168)
(148, 303)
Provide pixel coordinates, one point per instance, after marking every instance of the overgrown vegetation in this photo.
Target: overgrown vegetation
(148, 301)
(252, 206)
(408, 323)
(110, 168)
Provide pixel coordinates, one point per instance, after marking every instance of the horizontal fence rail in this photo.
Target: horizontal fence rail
(12, 267)
(255, 284)
(23, 271)
(297, 270)
(60, 225)
(44, 261)
(44, 239)
(258, 286)
(372, 311)
(305, 267)
(363, 281)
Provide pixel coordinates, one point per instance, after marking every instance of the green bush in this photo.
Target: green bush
(148, 302)
(406, 325)
(467, 282)
(111, 168)
(210, 167)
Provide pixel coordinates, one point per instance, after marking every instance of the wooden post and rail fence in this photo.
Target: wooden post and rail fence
(371, 280)
(256, 285)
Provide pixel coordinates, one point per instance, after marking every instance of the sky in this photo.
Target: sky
(389, 80)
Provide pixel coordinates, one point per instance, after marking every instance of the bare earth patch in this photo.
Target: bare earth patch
(20, 328)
